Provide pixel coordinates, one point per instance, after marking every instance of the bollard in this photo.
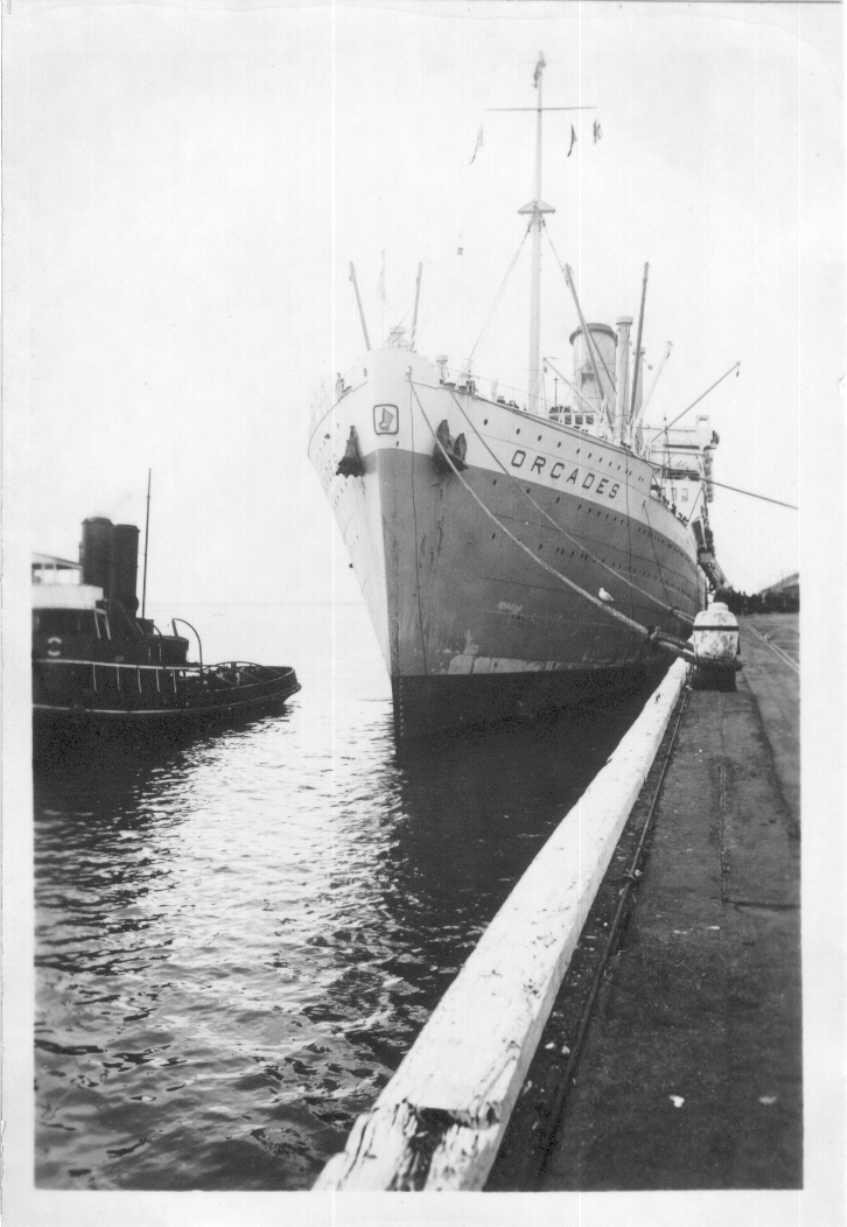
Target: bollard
(716, 643)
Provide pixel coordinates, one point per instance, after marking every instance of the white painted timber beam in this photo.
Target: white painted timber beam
(440, 1120)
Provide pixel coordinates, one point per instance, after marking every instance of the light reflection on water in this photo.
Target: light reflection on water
(238, 940)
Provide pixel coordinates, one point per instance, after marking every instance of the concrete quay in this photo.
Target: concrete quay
(690, 1075)
(631, 1017)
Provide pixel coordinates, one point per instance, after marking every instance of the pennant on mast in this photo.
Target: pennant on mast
(539, 68)
(536, 209)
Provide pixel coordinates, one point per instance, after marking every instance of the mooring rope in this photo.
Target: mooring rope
(644, 631)
(573, 540)
(653, 547)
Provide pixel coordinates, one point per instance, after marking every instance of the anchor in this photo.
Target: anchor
(455, 449)
(350, 464)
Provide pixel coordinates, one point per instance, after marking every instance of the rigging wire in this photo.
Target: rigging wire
(752, 494)
(589, 340)
(499, 293)
(646, 401)
(657, 430)
(589, 408)
(573, 540)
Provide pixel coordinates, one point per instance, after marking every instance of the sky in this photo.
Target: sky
(186, 185)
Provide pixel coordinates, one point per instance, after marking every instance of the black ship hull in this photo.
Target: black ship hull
(427, 706)
(78, 703)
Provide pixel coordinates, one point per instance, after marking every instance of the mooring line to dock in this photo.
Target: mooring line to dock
(535, 1168)
(655, 553)
(644, 632)
(672, 609)
(779, 652)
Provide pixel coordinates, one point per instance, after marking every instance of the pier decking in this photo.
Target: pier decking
(690, 1075)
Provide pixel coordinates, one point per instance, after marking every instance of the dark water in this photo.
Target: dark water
(238, 940)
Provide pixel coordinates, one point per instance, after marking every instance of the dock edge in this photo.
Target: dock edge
(438, 1124)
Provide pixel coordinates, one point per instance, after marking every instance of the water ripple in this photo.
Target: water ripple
(237, 943)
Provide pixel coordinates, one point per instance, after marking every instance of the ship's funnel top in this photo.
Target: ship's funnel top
(624, 323)
(95, 552)
(603, 342)
(594, 329)
(125, 566)
(109, 556)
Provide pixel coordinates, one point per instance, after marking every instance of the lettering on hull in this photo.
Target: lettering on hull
(567, 474)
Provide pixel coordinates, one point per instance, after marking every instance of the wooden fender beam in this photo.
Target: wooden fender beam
(440, 1120)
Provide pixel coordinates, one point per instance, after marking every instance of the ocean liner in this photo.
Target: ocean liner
(516, 558)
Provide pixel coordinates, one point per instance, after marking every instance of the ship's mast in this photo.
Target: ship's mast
(536, 208)
(535, 289)
(146, 543)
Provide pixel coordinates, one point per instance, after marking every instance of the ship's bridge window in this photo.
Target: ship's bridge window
(62, 621)
(568, 419)
(578, 419)
(589, 419)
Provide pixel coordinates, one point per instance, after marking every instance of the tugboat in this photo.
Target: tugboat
(99, 669)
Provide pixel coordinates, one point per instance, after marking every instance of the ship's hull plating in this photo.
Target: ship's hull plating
(429, 706)
(476, 581)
